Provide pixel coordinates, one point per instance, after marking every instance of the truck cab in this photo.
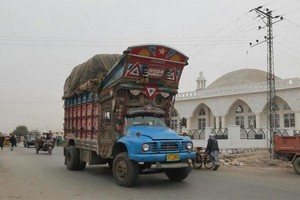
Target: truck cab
(152, 137)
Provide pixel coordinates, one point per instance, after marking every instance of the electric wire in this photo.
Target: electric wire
(281, 56)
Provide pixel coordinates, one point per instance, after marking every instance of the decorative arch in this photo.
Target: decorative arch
(285, 116)
(238, 102)
(240, 113)
(201, 117)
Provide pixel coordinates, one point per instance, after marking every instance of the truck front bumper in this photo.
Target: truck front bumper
(154, 158)
(159, 165)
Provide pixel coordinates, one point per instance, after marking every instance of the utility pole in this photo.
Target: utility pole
(267, 18)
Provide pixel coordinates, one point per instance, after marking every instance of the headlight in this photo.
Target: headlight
(189, 145)
(145, 147)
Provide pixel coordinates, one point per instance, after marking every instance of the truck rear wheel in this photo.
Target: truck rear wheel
(72, 158)
(125, 171)
(178, 174)
(296, 165)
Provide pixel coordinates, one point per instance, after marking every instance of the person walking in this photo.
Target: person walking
(213, 150)
(1, 141)
(12, 141)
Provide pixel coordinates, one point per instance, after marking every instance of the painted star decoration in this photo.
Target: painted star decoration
(162, 51)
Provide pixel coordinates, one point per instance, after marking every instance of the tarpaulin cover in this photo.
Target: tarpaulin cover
(88, 75)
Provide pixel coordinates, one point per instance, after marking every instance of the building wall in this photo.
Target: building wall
(222, 103)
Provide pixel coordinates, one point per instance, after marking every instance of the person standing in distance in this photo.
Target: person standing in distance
(12, 141)
(1, 141)
(213, 149)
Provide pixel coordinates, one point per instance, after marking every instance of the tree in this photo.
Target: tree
(21, 131)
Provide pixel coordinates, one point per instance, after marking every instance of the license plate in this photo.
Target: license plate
(173, 157)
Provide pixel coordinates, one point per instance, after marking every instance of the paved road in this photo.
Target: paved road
(27, 175)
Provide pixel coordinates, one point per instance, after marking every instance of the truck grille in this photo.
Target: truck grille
(153, 147)
(163, 147)
(168, 146)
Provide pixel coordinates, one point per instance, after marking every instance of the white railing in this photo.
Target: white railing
(234, 137)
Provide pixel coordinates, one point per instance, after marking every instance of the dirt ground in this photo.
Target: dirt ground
(253, 158)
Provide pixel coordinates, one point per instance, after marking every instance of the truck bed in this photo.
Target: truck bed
(286, 144)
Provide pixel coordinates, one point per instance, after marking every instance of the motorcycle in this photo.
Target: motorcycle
(202, 158)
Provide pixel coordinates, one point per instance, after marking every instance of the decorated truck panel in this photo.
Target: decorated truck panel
(121, 115)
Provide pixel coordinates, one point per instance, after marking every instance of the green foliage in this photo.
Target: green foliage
(21, 131)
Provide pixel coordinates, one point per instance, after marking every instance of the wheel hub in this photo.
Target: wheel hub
(121, 170)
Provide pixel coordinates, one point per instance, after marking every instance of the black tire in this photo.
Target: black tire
(72, 158)
(207, 163)
(125, 171)
(197, 162)
(178, 174)
(296, 165)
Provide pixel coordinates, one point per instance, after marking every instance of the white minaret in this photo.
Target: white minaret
(201, 82)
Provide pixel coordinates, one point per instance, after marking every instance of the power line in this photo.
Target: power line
(224, 37)
(65, 43)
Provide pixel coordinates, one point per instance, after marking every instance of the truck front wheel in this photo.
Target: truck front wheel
(125, 171)
(178, 174)
(296, 165)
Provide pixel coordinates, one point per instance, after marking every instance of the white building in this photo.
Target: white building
(239, 98)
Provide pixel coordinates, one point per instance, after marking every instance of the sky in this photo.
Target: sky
(41, 41)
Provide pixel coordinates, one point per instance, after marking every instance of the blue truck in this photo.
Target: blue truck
(117, 112)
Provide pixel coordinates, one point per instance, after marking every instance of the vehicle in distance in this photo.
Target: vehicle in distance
(29, 140)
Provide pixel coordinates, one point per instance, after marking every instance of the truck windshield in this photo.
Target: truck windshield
(145, 120)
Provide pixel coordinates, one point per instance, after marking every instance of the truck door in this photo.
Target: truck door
(106, 132)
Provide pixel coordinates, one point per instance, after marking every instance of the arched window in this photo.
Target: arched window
(239, 119)
(202, 112)
(202, 119)
(239, 109)
(174, 120)
(174, 113)
(286, 107)
(289, 120)
(276, 107)
(288, 116)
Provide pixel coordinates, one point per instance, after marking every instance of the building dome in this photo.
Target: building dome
(240, 77)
